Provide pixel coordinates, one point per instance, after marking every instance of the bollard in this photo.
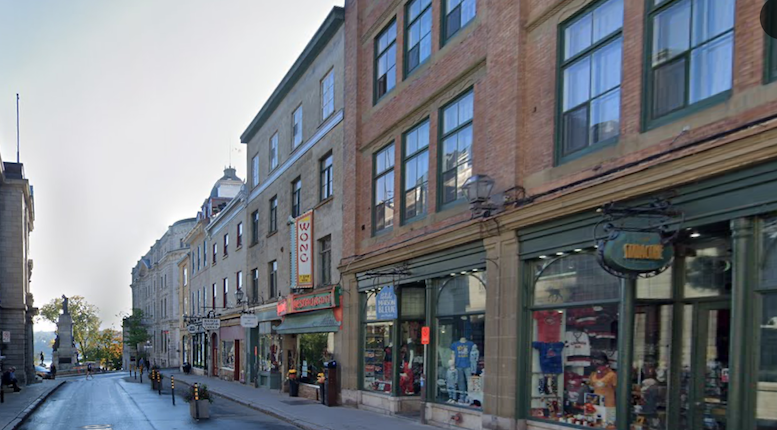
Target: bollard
(159, 382)
(2, 394)
(141, 375)
(172, 387)
(196, 404)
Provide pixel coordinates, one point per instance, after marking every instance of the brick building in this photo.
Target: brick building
(566, 106)
(17, 220)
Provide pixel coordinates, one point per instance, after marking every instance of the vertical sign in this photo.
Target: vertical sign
(6, 337)
(386, 304)
(304, 250)
(425, 335)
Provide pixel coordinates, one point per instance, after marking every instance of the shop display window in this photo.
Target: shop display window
(652, 357)
(199, 346)
(573, 278)
(708, 267)
(228, 354)
(270, 353)
(766, 384)
(460, 340)
(378, 356)
(411, 352)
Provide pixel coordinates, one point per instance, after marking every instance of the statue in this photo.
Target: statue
(64, 304)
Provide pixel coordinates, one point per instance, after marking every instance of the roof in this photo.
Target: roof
(230, 178)
(325, 33)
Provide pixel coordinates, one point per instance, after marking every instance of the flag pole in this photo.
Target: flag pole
(17, 127)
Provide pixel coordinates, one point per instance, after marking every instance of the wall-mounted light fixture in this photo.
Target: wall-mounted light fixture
(478, 190)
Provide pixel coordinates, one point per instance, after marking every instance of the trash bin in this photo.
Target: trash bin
(293, 384)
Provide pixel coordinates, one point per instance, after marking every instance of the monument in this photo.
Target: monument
(65, 355)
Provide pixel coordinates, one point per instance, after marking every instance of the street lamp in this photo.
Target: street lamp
(478, 190)
(239, 294)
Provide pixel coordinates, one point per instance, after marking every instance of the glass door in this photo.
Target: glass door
(705, 366)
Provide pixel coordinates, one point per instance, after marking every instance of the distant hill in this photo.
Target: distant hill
(43, 340)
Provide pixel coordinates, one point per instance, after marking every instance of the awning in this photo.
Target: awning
(322, 321)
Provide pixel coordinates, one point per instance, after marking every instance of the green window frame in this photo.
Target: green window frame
(385, 60)
(588, 114)
(689, 52)
(770, 59)
(457, 15)
(383, 189)
(415, 172)
(455, 154)
(418, 34)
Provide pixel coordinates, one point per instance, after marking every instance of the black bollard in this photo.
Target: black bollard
(172, 387)
(159, 382)
(141, 375)
(196, 403)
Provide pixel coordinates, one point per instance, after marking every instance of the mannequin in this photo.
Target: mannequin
(603, 380)
(461, 356)
(474, 356)
(451, 375)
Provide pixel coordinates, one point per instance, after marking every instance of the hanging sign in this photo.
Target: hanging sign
(193, 328)
(425, 335)
(386, 304)
(249, 320)
(303, 249)
(211, 323)
(282, 307)
(637, 252)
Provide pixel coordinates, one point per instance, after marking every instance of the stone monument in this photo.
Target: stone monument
(65, 356)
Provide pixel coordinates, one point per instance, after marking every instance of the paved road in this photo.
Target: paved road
(116, 402)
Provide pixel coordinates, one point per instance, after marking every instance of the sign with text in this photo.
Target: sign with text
(249, 320)
(211, 323)
(386, 303)
(303, 248)
(637, 252)
(282, 307)
(193, 328)
(425, 335)
(320, 299)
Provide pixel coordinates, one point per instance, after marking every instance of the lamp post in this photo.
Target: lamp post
(478, 190)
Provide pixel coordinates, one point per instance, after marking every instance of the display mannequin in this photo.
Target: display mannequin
(461, 355)
(451, 375)
(603, 381)
(474, 356)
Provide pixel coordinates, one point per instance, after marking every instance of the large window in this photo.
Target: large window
(590, 109)
(328, 95)
(383, 189)
(325, 259)
(416, 172)
(239, 235)
(326, 177)
(273, 227)
(458, 13)
(385, 60)
(296, 127)
(228, 354)
(691, 53)
(419, 34)
(378, 353)
(272, 279)
(766, 382)
(456, 165)
(255, 286)
(254, 227)
(461, 335)
(255, 171)
(296, 196)
(274, 151)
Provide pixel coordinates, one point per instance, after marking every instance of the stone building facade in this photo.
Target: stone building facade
(154, 291)
(17, 220)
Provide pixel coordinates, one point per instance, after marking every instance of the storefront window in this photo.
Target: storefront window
(652, 357)
(314, 350)
(411, 351)
(574, 348)
(198, 350)
(270, 353)
(460, 340)
(708, 267)
(378, 356)
(228, 354)
(766, 391)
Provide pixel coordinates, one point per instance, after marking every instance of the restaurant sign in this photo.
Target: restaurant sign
(313, 301)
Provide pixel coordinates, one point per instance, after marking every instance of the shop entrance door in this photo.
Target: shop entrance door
(236, 373)
(705, 364)
(214, 354)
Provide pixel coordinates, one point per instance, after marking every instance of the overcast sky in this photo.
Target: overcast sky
(129, 113)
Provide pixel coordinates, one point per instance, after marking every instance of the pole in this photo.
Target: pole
(423, 390)
(141, 375)
(196, 403)
(159, 382)
(17, 127)
(172, 387)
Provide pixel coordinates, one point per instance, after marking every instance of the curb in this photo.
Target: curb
(19, 420)
(304, 425)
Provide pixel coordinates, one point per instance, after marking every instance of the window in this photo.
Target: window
(590, 101)
(296, 127)
(254, 227)
(383, 189)
(198, 258)
(213, 298)
(326, 177)
(255, 170)
(274, 214)
(385, 60)
(255, 285)
(274, 151)
(185, 277)
(272, 279)
(296, 195)
(771, 54)
(766, 410)
(239, 235)
(419, 33)
(378, 354)
(458, 13)
(416, 172)
(691, 53)
(215, 252)
(225, 292)
(226, 244)
(328, 95)
(199, 305)
(456, 166)
(228, 354)
(205, 253)
(239, 281)
(325, 257)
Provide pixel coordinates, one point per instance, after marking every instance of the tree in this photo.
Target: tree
(109, 348)
(134, 330)
(86, 323)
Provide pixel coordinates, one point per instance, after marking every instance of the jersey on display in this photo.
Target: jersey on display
(461, 352)
(550, 356)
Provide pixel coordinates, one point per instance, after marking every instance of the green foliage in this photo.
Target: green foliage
(109, 348)
(86, 323)
(134, 330)
(203, 393)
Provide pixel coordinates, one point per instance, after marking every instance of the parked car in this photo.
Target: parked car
(43, 372)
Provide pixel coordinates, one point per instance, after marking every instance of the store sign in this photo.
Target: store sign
(425, 335)
(249, 320)
(282, 307)
(386, 304)
(637, 252)
(304, 250)
(193, 328)
(211, 323)
(6, 337)
(321, 299)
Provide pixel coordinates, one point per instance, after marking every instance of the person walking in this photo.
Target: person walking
(89, 371)
(53, 370)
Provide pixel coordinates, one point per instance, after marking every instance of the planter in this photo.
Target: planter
(202, 405)
(154, 385)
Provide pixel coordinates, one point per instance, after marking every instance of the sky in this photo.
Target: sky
(129, 112)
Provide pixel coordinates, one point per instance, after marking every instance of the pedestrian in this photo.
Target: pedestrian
(9, 378)
(53, 371)
(141, 363)
(89, 371)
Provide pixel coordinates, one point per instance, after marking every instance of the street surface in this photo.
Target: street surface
(116, 401)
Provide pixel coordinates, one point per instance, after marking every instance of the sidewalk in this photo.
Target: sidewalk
(303, 413)
(18, 406)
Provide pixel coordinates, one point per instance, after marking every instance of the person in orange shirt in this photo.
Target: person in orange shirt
(604, 380)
